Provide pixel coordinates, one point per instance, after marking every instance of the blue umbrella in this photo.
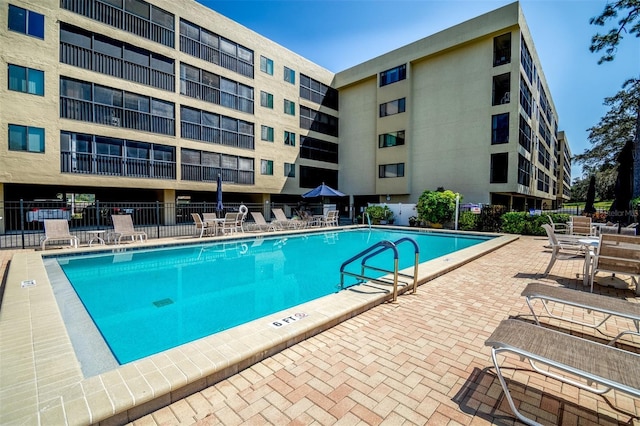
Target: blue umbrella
(323, 191)
(219, 207)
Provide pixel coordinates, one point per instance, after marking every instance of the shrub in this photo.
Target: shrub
(468, 221)
(514, 222)
(436, 206)
(378, 213)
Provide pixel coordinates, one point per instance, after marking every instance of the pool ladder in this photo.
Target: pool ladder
(373, 251)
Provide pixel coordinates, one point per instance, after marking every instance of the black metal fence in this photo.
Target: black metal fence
(22, 222)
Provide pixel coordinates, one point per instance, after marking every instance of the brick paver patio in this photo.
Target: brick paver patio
(421, 361)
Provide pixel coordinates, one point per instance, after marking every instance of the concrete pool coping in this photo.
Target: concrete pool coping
(42, 380)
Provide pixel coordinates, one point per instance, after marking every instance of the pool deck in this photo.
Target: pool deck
(353, 359)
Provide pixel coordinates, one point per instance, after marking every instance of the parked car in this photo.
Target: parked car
(39, 210)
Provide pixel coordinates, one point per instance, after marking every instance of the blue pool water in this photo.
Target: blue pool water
(147, 301)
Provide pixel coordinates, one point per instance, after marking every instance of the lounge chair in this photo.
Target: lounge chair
(595, 363)
(123, 227)
(284, 222)
(58, 230)
(581, 225)
(260, 223)
(208, 228)
(606, 306)
(617, 254)
(566, 249)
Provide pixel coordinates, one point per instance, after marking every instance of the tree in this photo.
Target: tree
(629, 23)
(591, 196)
(616, 127)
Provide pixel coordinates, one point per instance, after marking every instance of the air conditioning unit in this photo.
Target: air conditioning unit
(115, 121)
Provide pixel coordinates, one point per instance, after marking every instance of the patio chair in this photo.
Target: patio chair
(123, 227)
(619, 255)
(558, 228)
(57, 230)
(331, 219)
(566, 249)
(616, 229)
(230, 223)
(260, 223)
(284, 222)
(581, 225)
(209, 228)
(567, 355)
(209, 217)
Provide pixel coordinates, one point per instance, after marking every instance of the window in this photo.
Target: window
(526, 60)
(289, 107)
(289, 170)
(316, 149)
(289, 75)
(266, 65)
(391, 170)
(266, 133)
(26, 21)
(26, 80)
(543, 181)
(318, 92)
(266, 100)
(134, 16)
(392, 107)
(500, 128)
(24, 138)
(266, 167)
(318, 121)
(499, 167)
(391, 139)
(501, 89)
(524, 171)
(393, 75)
(310, 176)
(525, 134)
(525, 96)
(203, 44)
(502, 49)
(289, 138)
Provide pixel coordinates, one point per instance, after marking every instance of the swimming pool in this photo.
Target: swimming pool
(149, 300)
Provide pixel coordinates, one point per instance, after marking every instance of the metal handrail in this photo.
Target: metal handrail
(373, 251)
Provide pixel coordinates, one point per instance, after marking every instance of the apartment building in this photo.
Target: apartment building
(135, 100)
(466, 109)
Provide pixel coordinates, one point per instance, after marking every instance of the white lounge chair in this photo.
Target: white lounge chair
(570, 355)
(123, 227)
(57, 230)
(206, 228)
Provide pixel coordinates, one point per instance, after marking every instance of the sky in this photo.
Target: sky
(338, 34)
